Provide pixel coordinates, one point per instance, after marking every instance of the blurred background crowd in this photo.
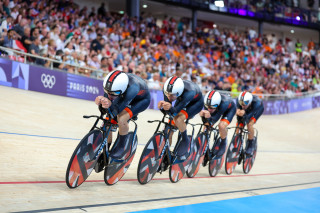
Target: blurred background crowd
(221, 59)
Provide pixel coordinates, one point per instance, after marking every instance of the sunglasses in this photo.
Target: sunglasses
(170, 94)
(114, 93)
(243, 103)
(211, 107)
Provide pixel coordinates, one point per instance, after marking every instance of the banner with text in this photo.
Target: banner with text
(40, 79)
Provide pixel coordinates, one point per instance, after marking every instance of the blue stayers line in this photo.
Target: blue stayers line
(43, 136)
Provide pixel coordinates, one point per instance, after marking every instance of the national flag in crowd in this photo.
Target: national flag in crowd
(17, 45)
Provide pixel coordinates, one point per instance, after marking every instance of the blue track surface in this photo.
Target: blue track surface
(306, 200)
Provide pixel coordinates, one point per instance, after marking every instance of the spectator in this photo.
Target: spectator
(6, 25)
(34, 47)
(102, 10)
(96, 45)
(8, 40)
(54, 34)
(60, 42)
(154, 82)
(34, 33)
(19, 28)
(26, 40)
(94, 62)
(219, 58)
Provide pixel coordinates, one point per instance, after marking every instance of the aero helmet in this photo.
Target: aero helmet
(116, 83)
(173, 86)
(245, 98)
(212, 99)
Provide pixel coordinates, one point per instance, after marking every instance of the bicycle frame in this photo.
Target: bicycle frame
(208, 131)
(243, 134)
(166, 132)
(168, 128)
(105, 129)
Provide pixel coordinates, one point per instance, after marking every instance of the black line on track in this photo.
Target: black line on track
(159, 199)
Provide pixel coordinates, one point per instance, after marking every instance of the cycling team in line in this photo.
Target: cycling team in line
(126, 95)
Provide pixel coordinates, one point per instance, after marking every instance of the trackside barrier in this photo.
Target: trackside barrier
(29, 77)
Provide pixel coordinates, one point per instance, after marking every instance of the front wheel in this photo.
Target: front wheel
(81, 164)
(215, 165)
(150, 158)
(198, 154)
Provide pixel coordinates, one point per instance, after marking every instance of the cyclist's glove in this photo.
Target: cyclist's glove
(204, 120)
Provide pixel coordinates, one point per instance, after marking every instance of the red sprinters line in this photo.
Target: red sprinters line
(225, 176)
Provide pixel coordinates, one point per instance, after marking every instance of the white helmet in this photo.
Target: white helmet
(173, 86)
(212, 99)
(116, 83)
(245, 98)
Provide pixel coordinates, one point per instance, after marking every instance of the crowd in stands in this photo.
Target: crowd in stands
(220, 59)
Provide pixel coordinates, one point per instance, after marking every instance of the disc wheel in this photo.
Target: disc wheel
(149, 161)
(81, 164)
(249, 160)
(114, 172)
(233, 154)
(198, 155)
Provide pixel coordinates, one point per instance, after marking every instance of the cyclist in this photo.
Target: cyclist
(189, 102)
(249, 109)
(218, 106)
(125, 96)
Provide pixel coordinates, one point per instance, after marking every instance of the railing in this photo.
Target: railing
(276, 96)
(20, 56)
(23, 55)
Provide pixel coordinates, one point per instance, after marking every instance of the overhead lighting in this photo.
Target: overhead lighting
(291, 31)
(144, 6)
(219, 3)
(121, 12)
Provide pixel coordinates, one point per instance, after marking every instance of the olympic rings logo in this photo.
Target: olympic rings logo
(48, 81)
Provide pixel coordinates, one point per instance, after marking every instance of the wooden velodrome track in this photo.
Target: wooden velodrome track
(33, 166)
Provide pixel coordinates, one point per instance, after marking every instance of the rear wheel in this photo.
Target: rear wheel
(248, 160)
(115, 171)
(233, 153)
(177, 170)
(149, 161)
(81, 164)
